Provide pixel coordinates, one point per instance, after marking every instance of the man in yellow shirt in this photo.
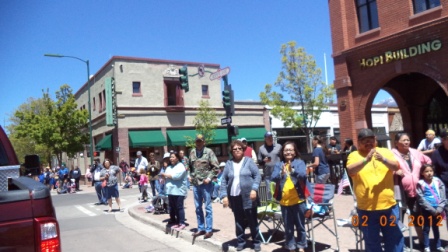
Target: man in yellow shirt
(372, 169)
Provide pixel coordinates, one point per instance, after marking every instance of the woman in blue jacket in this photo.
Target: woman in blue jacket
(290, 177)
(239, 186)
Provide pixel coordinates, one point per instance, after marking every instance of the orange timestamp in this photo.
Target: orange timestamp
(392, 220)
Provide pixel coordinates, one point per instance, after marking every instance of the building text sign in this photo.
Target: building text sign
(400, 54)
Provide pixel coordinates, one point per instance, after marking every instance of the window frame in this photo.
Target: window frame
(207, 93)
(139, 88)
(104, 100)
(94, 104)
(179, 99)
(427, 4)
(369, 4)
(100, 102)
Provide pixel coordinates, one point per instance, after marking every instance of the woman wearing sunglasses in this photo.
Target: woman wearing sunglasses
(290, 175)
(239, 187)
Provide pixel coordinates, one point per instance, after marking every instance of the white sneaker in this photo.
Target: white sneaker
(427, 250)
(441, 249)
(216, 200)
(150, 209)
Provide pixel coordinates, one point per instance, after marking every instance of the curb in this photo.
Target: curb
(209, 244)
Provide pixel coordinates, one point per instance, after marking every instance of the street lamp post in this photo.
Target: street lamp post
(88, 94)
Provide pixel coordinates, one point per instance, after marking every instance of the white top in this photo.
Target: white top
(424, 145)
(141, 162)
(236, 189)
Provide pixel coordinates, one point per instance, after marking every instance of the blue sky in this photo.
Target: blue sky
(244, 35)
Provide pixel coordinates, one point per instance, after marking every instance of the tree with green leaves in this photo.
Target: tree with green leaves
(205, 123)
(302, 94)
(24, 145)
(57, 125)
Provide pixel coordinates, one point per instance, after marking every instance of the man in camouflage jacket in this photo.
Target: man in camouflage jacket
(203, 167)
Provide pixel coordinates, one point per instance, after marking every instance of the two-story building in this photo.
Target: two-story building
(153, 113)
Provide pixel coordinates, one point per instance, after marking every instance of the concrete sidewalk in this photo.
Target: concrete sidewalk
(224, 228)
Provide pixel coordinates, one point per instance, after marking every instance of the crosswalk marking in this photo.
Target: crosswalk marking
(84, 210)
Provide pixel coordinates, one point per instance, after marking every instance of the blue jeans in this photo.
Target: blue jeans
(429, 223)
(372, 223)
(216, 190)
(294, 217)
(188, 182)
(203, 194)
(100, 192)
(322, 179)
(155, 187)
(177, 211)
(161, 189)
(244, 218)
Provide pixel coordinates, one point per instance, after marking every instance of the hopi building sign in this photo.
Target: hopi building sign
(401, 54)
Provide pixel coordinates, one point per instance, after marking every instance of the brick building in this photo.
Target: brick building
(398, 46)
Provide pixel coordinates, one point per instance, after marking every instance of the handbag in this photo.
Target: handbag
(104, 183)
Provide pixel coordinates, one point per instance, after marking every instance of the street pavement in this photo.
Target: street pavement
(224, 227)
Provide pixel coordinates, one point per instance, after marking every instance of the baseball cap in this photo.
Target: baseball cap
(268, 134)
(199, 137)
(139, 153)
(364, 133)
(222, 164)
(444, 133)
(166, 155)
(243, 139)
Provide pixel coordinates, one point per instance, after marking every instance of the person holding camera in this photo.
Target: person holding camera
(268, 156)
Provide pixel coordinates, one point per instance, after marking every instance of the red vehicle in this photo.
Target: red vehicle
(27, 216)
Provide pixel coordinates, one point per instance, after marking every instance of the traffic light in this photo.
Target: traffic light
(96, 153)
(184, 78)
(233, 130)
(227, 100)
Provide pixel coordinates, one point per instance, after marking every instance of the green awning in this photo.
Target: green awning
(105, 143)
(146, 138)
(252, 134)
(180, 137)
(220, 136)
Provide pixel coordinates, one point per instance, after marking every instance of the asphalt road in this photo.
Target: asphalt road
(85, 226)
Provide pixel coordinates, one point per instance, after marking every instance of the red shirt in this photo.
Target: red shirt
(248, 152)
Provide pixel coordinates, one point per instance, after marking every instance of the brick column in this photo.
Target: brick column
(123, 143)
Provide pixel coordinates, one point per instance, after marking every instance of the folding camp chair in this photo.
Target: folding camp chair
(321, 196)
(268, 211)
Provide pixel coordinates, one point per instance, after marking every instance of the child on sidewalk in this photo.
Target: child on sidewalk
(143, 185)
(128, 181)
(432, 201)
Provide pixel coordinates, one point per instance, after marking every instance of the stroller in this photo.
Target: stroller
(159, 205)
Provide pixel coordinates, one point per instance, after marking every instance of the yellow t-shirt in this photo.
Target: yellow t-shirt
(373, 184)
(290, 196)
